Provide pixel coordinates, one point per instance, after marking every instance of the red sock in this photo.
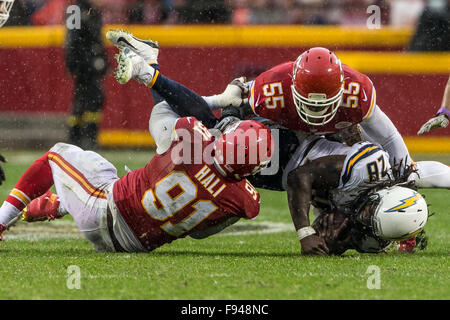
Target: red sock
(36, 180)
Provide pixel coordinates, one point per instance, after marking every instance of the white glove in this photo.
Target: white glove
(439, 121)
(236, 94)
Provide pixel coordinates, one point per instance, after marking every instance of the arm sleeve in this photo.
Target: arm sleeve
(161, 124)
(379, 129)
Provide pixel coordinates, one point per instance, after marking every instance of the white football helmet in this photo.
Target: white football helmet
(5, 9)
(396, 213)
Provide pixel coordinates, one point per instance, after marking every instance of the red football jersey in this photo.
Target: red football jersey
(176, 193)
(271, 97)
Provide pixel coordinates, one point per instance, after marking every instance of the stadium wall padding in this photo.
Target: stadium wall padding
(409, 86)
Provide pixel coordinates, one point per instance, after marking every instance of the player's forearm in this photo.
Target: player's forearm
(299, 197)
(446, 99)
(380, 129)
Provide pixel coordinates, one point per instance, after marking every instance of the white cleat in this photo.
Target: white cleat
(131, 65)
(147, 49)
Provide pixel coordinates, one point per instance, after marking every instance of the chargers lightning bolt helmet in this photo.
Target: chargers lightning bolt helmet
(395, 214)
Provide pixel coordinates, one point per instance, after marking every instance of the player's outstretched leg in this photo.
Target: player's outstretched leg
(147, 49)
(35, 181)
(183, 100)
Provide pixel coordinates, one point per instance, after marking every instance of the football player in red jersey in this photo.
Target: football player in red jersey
(194, 185)
(317, 94)
(311, 244)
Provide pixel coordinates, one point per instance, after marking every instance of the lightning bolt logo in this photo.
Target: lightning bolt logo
(405, 203)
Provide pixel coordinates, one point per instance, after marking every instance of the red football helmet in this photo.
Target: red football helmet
(317, 85)
(244, 148)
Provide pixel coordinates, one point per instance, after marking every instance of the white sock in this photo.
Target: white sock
(8, 212)
(431, 174)
(145, 74)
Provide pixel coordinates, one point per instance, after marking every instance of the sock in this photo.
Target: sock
(35, 181)
(431, 174)
(146, 74)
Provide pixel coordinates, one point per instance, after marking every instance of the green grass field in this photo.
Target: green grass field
(258, 259)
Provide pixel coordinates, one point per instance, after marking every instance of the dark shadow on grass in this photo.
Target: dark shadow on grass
(178, 253)
(87, 252)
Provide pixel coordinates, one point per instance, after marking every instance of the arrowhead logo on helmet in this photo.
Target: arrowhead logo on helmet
(317, 85)
(5, 9)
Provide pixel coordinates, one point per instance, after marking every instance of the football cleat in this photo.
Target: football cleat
(147, 49)
(131, 65)
(42, 208)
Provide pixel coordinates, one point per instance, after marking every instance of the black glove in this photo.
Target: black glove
(225, 122)
(2, 173)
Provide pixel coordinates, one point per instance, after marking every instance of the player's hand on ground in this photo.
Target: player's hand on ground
(439, 121)
(2, 172)
(314, 245)
(236, 94)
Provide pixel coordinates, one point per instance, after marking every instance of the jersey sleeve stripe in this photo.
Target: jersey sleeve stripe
(372, 103)
(76, 175)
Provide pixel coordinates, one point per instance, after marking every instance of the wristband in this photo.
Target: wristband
(444, 111)
(305, 232)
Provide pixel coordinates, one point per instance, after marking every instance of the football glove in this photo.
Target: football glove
(235, 94)
(438, 121)
(2, 172)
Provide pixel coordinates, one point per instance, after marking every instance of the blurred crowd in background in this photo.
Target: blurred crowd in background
(236, 12)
